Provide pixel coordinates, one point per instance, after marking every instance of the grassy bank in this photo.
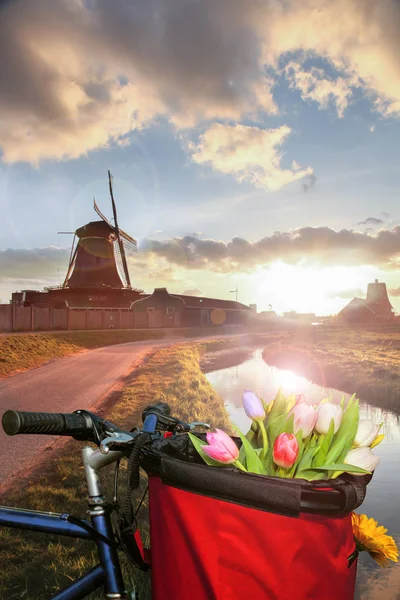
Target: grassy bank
(21, 352)
(363, 362)
(31, 567)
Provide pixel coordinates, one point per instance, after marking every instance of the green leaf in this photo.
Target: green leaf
(324, 446)
(308, 455)
(310, 475)
(253, 462)
(300, 454)
(252, 434)
(242, 455)
(279, 406)
(275, 426)
(344, 438)
(336, 474)
(290, 402)
(341, 467)
(265, 405)
(197, 443)
(336, 449)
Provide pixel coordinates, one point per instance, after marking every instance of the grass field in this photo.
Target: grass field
(34, 569)
(354, 361)
(21, 352)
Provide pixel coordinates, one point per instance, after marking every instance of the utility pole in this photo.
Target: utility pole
(235, 291)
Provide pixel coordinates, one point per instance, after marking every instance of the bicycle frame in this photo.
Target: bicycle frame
(108, 572)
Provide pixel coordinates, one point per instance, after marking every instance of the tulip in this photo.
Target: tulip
(285, 450)
(253, 406)
(300, 398)
(325, 413)
(305, 417)
(363, 458)
(366, 433)
(254, 409)
(221, 447)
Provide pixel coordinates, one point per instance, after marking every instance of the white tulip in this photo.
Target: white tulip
(363, 458)
(366, 433)
(325, 413)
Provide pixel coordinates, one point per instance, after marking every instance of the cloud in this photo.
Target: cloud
(193, 292)
(169, 260)
(33, 264)
(311, 181)
(248, 153)
(307, 245)
(359, 39)
(119, 67)
(346, 294)
(371, 221)
(316, 86)
(82, 75)
(394, 292)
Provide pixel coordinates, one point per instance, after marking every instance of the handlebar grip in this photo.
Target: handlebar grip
(159, 407)
(15, 422)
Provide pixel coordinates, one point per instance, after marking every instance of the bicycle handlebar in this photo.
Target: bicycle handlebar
(85, 426)
(16, 422)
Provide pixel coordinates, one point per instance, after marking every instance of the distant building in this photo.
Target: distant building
(253, 307)
(376, 307)
(162, 309)
(268, 314)
(299, 317)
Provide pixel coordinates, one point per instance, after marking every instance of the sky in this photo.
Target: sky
(253, 144)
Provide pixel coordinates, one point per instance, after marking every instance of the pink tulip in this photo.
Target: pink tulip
(221, 447)
(286, 450)
(305, 417)
(300, 398)
(253, 406)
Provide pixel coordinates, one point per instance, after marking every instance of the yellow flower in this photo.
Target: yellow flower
(371, 536)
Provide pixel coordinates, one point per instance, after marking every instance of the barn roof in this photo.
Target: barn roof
(201, 302)
(355, 305)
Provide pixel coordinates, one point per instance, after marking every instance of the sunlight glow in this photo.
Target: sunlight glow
(308, 289)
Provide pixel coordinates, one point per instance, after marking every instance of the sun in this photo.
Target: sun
(306, 288)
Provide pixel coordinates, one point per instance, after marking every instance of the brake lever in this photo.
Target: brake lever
(198, 424)
(115, 438)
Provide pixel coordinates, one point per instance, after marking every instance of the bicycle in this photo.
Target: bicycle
(113, 445)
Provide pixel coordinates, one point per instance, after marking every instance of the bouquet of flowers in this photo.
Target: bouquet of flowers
(292, 438)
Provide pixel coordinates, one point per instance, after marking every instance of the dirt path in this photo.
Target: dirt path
(83, 380)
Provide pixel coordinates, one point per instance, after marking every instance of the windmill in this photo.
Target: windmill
(98, 253)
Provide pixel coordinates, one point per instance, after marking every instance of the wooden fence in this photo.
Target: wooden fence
(31, 318)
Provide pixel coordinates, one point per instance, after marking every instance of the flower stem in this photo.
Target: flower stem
(265, 439)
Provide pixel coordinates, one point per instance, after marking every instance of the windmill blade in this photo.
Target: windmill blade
(72, 259)
(117, 231)
(96, 208)
(129, 241)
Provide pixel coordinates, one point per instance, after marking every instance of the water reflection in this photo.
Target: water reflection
(383, 496)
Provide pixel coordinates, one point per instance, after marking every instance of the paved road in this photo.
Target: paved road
(80, 381)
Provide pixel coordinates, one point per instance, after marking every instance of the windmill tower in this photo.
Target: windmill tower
(378, 300)
(98, 268)
(98, 254)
